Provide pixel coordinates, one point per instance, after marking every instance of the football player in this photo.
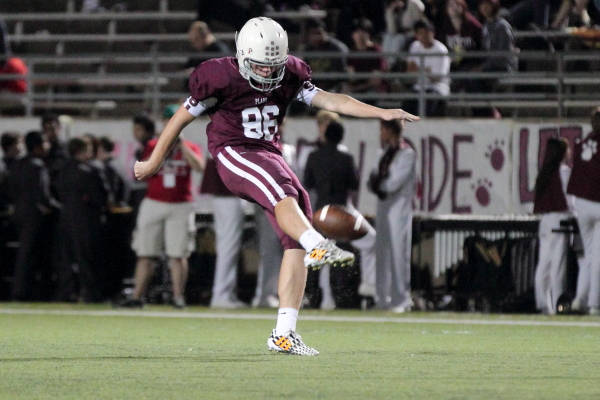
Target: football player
(246, 98)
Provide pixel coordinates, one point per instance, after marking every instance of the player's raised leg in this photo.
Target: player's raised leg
(319, 251)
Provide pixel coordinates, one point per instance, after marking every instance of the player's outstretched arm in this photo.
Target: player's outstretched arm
(181, 119)
(347, 105)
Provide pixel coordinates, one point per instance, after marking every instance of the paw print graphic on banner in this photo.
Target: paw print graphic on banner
(496, 154)
(588, 150)
(482, 192)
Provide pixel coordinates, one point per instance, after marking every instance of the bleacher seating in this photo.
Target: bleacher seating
(135, 58)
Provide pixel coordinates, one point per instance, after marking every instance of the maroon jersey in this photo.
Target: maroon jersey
(585, 176)
(553, 198)
(241, 115)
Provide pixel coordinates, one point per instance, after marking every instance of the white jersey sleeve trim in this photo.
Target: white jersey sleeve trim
(196, 107)
(307, 93)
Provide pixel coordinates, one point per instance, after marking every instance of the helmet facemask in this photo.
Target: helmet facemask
(259, 82)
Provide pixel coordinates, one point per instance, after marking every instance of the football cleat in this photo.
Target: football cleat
(289, 343)
(327, 252)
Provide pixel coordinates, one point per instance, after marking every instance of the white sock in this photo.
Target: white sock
(310, 239)
(286, 320)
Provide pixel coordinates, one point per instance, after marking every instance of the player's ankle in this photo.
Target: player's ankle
(286, 320)
(310, 239)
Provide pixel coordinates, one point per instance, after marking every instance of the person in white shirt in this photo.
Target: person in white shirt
(436, 64)
(393, 180)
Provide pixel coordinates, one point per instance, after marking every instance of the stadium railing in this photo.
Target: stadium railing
(555, 88)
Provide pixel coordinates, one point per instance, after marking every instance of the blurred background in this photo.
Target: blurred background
(492, 80)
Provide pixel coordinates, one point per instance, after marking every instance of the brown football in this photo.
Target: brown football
(340, 223)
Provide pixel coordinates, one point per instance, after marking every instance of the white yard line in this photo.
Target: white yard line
(272, 316)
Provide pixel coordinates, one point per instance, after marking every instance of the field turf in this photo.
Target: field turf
(93, 352)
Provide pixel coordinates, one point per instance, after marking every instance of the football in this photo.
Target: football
(340, 223)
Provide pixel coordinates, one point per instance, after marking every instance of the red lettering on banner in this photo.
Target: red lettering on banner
(525, 194)
(459, 174)
(433, 203)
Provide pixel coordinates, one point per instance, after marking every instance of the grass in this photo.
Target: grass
(45, 356)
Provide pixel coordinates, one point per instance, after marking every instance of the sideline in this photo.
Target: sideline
(327, 318)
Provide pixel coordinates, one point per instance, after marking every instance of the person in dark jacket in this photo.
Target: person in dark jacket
(84, 198)
(29, 189)
(113, 171)
(11, 150)
(333, 174)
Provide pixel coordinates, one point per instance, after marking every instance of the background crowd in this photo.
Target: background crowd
(439, 37)
(65, 202)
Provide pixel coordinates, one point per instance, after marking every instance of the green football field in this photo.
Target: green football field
(84, 352)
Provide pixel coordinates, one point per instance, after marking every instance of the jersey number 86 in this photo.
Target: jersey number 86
(257, 124)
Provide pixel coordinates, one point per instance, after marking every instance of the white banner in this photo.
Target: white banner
(482, 167)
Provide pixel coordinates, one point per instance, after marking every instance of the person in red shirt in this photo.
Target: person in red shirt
(163, 222)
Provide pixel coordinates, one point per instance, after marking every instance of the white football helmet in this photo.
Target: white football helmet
(263, 42)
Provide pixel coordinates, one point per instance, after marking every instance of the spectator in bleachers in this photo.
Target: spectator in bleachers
(401, 15)
(554, 205)
(318, 40)
(592, 8)
(527, 12)
(584, 184)
(544, 14)
(460, 32)
(400, 18)
(10, 65)
(574, 13)
(29, 190)
(439, 65)
(203, 41)
(84, 197)
(497, 36)
(361, 38)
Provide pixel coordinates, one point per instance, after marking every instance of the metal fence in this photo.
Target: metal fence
(555, 86)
